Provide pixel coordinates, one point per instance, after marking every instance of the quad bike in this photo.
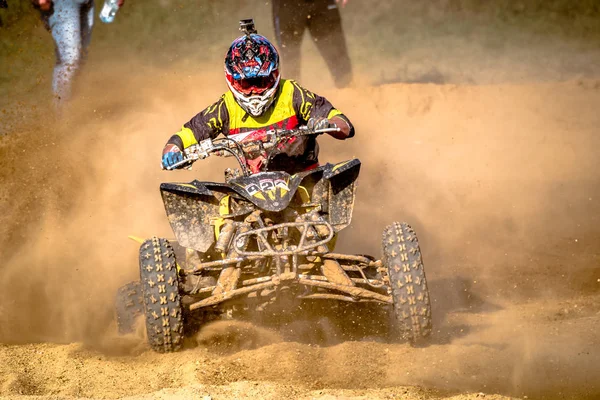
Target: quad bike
(264, 238)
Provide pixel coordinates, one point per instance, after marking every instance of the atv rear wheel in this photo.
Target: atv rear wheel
(129, 304)
(160, 288)
(411, 316)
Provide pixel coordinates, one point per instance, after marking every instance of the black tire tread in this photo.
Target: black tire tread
(162, 302)
(402, 257)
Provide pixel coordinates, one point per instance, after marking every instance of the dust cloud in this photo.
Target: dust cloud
(501, 181)
(60, 280)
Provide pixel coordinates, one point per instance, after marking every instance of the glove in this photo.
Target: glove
(171, 156)
(319, 123)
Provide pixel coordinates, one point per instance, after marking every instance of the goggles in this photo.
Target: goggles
(257, 85)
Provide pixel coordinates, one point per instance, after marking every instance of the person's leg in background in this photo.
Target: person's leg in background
(325, 26)
(289, 21)
(70, 36)
(3, 4)
(87, 24)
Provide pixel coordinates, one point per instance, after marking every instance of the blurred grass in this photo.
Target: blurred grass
(476, 41)
(396, 35)
(196, 30)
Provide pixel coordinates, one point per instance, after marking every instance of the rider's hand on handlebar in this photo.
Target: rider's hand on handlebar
(318, 123)
(171, 156)
(44, 5)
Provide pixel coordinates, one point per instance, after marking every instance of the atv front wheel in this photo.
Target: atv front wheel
(160, 288)
(402, 258)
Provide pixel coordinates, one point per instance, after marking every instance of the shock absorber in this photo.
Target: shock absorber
(225, 236)
(240, 243)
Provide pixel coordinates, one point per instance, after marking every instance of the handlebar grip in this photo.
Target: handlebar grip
(327, 130)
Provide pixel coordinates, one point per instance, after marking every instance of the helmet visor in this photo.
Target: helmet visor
(257, 85)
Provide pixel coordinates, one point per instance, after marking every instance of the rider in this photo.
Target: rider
(258, 100)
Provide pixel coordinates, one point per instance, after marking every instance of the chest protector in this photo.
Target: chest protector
(281, 114)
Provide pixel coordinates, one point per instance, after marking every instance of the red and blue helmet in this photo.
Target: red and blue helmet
(252, 72)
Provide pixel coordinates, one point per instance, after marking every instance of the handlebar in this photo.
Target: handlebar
(228, 147)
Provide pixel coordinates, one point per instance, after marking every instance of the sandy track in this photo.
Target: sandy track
(529, 349)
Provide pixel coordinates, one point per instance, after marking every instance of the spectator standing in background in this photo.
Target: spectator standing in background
(323, 21)
(70, 22)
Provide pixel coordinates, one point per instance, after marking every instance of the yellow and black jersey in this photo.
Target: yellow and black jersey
(293, 106)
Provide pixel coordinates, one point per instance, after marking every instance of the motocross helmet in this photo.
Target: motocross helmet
(252, 72)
